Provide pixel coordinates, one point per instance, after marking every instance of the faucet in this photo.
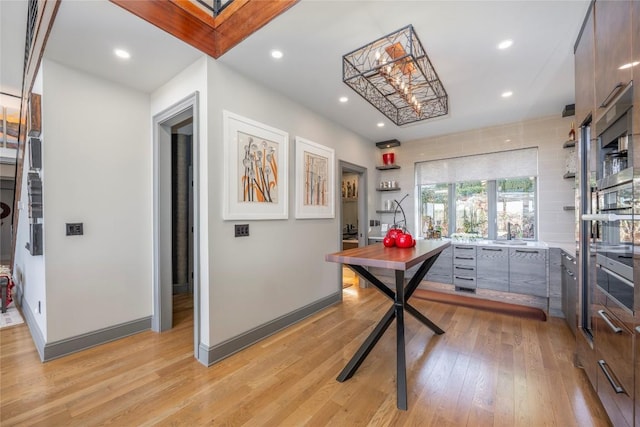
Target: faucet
(508, 231)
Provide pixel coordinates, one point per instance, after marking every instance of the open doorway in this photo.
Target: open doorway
(353, 215)
(176, 242)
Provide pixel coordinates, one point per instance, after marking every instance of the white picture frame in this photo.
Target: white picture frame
(255, 170)
(315, 180)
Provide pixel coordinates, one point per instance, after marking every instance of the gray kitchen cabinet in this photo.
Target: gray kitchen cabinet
(612, 49)
(464, 266)
(528, 271)
(556, 304)
(570, 291)
(492, 268)
(442, 270)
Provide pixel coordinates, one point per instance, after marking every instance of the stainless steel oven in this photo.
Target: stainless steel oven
(613, 230)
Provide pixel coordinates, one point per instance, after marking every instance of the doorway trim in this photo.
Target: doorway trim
(162, 292)
(363, 215)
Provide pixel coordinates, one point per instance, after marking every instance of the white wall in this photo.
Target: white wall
(29, 271)
(548, 134)
(280, 267)
(192, 79)
(97, 157)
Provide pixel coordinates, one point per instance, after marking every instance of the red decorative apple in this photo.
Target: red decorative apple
(394, 232)
(404, 240)
(389, 241)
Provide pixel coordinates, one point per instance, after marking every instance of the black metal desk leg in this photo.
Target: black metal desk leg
(401, 363)
(366, 347)
(428, 323)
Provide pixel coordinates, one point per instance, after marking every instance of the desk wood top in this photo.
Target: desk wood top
(377, 255)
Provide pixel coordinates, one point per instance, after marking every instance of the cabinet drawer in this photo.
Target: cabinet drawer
(467, 260)
(464, 270)
(614, 350)
(464, 250)
(464, 281)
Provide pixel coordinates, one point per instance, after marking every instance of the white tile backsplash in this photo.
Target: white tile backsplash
(548, 134)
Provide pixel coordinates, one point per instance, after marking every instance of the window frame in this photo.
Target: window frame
(492, 208)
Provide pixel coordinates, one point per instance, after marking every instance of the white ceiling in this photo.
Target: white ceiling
(460, 38)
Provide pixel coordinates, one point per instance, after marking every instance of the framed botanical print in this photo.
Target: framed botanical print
(315, 180)
(255, 170)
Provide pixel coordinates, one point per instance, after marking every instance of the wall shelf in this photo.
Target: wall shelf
(569, 175)
(569, 208)
(569, 144)
(388, 189)
(387, 167)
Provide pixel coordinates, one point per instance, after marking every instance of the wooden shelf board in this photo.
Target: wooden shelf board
(568, 144)
(569, 175)
(387, 167)
(388, 189)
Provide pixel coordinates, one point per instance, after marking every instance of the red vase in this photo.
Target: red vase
(388, 158)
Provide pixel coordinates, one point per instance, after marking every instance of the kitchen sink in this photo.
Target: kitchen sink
(514, 242)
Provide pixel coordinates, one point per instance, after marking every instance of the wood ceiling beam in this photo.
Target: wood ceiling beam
(212, 35)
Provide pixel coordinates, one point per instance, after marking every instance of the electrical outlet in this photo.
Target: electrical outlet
(242, 230)
(74, 229)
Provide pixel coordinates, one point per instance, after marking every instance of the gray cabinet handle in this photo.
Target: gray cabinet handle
(464, 257)
(605, 317)
(465, 247)
(615, 386)
(457, 267)
(527, 252)
(464, 278)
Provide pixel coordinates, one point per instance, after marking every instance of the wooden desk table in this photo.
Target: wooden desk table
(424, 254)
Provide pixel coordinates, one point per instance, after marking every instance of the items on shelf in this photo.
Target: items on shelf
(572, 132)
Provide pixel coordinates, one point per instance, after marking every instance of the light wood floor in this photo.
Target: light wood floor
(486, 370)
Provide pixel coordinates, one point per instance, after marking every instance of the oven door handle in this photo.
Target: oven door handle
(616, 275)
(614, 328)
(608, 217)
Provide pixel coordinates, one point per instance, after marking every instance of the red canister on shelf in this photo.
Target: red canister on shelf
(388, 158)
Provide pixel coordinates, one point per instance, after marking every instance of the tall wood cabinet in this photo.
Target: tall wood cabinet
(612, 49)
(584, 58)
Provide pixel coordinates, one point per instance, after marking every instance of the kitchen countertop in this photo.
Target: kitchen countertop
(568, 247)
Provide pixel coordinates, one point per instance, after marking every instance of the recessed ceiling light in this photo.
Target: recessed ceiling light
(380, 124)
(507, 94)
(277, 54)
(629, 65)
(343, 99)
(121, 53)
(505, 44)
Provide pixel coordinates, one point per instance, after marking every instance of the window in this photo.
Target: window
(486, 209)
(435, 208)
(472, 211)
(516, 203)
(483, 194)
